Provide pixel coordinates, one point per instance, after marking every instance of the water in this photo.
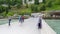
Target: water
(55, 24)
(4, 21)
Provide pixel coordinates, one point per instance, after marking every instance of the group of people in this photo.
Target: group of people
(21, 20)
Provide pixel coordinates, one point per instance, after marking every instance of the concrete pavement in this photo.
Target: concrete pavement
(28, 27)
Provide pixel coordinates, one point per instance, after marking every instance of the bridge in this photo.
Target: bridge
(28, 27)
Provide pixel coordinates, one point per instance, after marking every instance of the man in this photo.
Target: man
(9, 20)
(19, 18)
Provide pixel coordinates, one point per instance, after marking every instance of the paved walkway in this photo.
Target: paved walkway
(28, 27)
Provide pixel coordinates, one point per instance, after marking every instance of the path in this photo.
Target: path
(28, 27)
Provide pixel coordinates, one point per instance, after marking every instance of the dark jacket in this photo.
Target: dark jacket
(40, 23)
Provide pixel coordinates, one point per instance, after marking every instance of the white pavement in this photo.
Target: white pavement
(28, 27)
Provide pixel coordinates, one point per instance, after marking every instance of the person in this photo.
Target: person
(40, 22)
(9, 21)
(19, 18)
(22, 18)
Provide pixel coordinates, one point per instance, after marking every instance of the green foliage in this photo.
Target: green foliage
(49, 3)
(30, 0)
(18, 3)
(54, 7)
(2, 9)
(24, 12)
(43, 7)
(44, 1)
(34, 8)
(36, 2)
(18, 6)
(25, 1)
(10, 14)
(3, 14)
(38, 8)
(57, 2)
(27, 6)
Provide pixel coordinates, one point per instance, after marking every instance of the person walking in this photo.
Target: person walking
(9, 21)
(40, 22)
(19, 18)
(22, 18)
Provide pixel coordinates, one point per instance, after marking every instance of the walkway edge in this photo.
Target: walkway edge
(49, 29)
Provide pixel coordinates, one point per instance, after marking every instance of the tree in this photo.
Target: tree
(1, 9)
(7, 10)
(57, 2)
(36, 2)
(49, 3)
(42, 8)
(19, 3)
(25, 1)
(0, 2)
(9, 4)
(34, 8)
(44, 1)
